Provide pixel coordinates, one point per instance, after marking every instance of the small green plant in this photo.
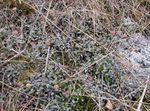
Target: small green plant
(146, 105)
(82, 103)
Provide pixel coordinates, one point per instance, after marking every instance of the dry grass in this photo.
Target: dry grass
(74, 44)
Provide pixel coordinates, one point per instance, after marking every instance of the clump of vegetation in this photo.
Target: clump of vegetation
(65, 57)
(20, 6)
(146, 104)
(82, 103)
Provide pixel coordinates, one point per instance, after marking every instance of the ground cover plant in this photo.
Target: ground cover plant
(74, 55)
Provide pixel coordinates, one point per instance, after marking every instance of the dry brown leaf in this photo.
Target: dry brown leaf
(28, 85)
(126, 77)
(15, 32)
(113, 33)
(56, 87)
(125, 36)
(90, 78)
(123, 65)
(109, 105)
(19, 84)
